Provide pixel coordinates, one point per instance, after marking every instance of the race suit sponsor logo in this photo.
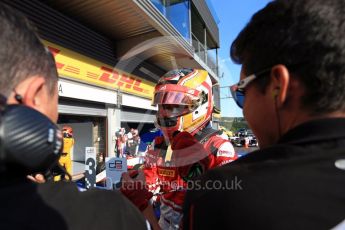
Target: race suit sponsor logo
(226, 150)
(166, 172)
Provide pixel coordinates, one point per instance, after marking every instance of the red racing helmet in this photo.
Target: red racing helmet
(185, 101)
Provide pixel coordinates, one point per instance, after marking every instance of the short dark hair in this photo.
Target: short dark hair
(310, 33)
(22, 55)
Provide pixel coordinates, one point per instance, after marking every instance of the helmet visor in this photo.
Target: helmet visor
(174, 98)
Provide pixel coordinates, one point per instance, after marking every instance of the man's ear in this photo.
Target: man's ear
(34, 93)
(280, 79)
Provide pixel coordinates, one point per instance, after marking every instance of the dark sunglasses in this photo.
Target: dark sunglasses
(238, 89)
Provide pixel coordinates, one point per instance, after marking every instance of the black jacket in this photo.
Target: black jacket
(299, 183)
(25, 205)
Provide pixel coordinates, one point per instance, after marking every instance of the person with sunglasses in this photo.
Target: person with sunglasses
(292, 92)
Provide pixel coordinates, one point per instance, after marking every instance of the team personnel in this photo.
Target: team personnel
(29, 98)
(292, 93)
(65, 160)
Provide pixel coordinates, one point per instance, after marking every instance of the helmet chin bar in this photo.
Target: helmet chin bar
(168, 125)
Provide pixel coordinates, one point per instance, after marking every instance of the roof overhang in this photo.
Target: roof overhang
(140, 32)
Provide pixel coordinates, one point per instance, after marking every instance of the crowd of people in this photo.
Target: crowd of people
(293, 77)
(127, 144)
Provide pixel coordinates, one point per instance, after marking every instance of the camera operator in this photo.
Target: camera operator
(30, 142)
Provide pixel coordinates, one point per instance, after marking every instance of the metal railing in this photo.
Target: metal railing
(202, 51)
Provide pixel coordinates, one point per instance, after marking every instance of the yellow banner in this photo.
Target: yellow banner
(79, 67)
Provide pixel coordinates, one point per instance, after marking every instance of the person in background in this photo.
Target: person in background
(100, 163)
(65, 160)
(291, 89)
(28, 80)
(133, 141)
(136, 141)
(121, 140)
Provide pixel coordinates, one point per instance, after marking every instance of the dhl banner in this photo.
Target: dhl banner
(79, 67)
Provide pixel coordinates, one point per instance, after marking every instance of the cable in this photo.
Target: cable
(278, 117)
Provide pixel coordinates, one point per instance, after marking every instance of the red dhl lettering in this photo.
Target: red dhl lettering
(128, 80)
(136, 85)
(112, 76)
(91, 75)
(72, 69)
(108, 75)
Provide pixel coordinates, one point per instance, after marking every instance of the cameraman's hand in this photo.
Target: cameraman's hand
(134, 188)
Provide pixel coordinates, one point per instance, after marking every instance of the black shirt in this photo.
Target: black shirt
(295, 184)
(25, 205)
